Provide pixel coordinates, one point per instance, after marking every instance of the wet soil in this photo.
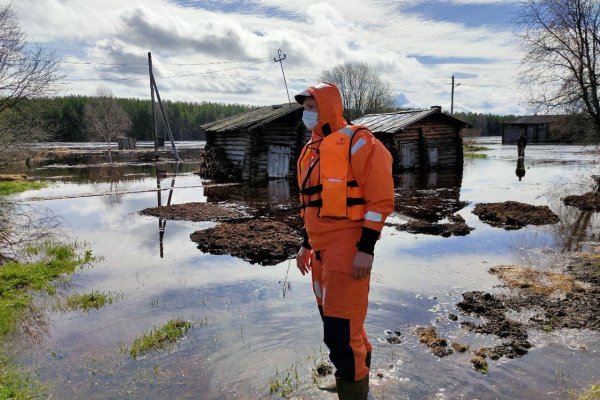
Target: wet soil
(195, 212)
(429, 205)
(457, 227)
(586, 202)
(12, 177)
(428, 336)
(514, 215)
(262, 241)
(560, 300)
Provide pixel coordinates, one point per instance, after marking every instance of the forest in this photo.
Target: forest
(63, 117)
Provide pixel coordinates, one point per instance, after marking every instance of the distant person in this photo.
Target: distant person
(521, 143)
(346, 193)
(520, 171)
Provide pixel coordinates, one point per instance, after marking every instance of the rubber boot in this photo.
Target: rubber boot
(328, 384)
(358, 390)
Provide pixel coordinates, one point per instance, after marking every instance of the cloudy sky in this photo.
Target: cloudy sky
(208, 50)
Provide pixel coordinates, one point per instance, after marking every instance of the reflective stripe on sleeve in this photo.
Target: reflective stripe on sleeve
(361, 142)
(347, 131)
(373, 216)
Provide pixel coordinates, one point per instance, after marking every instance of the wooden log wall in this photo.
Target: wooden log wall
(283, 132)
(233, 146)
(430, 132)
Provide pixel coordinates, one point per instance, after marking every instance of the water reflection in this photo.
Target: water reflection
(520, 171)
(257, 326)
(430, 196)
(162, 222)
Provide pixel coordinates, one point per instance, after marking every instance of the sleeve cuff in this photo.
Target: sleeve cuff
(305, 242)
(367, 241)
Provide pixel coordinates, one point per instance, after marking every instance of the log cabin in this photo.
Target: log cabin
(419, 139)
(260, 144)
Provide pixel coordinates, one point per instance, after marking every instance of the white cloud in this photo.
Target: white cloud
(109, 39)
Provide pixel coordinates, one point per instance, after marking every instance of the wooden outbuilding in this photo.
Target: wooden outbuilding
(548, 129)
(419, 138)
(259, 144)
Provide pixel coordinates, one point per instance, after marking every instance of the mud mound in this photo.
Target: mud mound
(563, 300)
(586, 202)
(455, 228)
(428, 336)
(265, 242)
(514, 215)
(428, 205)
(493, 309)
(193, 212)
(536, 282)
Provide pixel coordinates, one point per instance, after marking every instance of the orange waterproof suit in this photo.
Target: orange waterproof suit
(347, 191)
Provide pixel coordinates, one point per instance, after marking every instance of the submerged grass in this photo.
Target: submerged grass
(591, 393)
(18, 280)
(14, 383)
(14, 187)
(474, 148)
(160, 338)
(88, 301)
(284, 382)
(474, 155)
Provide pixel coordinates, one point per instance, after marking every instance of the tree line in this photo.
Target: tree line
(63, 118)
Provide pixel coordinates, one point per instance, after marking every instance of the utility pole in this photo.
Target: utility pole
(153, 90)
(452, 96)
(280, 61)
(154, 121)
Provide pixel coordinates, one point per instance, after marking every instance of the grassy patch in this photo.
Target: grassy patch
(13, 187)
(49, 262)
(17, 280)
(88, 301)
(160, 338)
(14, 383)
(284, 382)
(591, 393)
(474, 148)
(474, 155)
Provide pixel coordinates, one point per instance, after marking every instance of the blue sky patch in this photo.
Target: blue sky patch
(238, 7)
(429, 60)
(471, 15)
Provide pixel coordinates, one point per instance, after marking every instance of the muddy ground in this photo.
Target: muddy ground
(514, 215)
(196, 212)
(430, 205)
(586, 202)
(267, 242)
(243, 232)
(456, 227)
(559, 300)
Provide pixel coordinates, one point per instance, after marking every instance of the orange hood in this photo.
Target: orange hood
(329, 101)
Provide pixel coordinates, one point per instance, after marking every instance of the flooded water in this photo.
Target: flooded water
(254, 323)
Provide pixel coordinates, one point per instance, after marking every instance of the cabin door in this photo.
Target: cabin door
(279, 162)
(407, 154)
(432, 156)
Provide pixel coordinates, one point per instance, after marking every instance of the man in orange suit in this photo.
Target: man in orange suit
(346, 191)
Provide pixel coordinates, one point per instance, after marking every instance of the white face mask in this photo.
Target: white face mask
(310, 119)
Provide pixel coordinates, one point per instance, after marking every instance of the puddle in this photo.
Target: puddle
(261, 320)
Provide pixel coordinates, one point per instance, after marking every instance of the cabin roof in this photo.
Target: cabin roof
(536, 119)
(252, 119)
(396, 121)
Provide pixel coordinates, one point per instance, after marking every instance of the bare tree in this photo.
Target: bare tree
(561, 44)
(26, 71)
(363, 90)
(105, 118)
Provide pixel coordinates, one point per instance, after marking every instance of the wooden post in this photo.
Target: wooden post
(154, 121)
(175, 155)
